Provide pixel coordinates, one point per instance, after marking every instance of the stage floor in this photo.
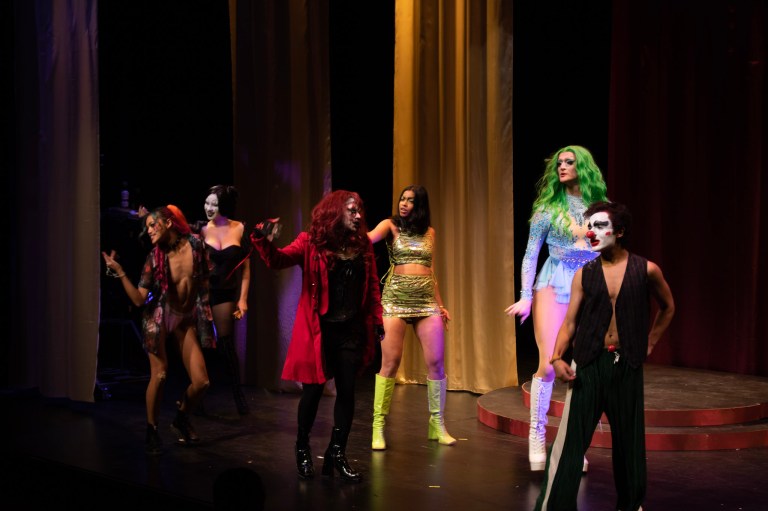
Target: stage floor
(90, 456)
(685, 410)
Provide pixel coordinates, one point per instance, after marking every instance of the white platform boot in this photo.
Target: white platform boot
(541, 394)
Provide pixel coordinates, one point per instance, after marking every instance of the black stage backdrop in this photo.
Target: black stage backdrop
(669, 96)
(165, 93)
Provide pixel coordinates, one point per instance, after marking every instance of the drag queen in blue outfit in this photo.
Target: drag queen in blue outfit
(571, 182)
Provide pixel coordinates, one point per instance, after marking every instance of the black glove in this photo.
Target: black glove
(264, 228)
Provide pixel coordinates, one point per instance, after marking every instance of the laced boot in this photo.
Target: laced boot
(183, 429)
(541, 394)
(336, 458)
(382, 398)
(436, 402)
(304, 463)
(153, 444)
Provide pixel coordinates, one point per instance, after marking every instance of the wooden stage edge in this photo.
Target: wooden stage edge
(685, 410)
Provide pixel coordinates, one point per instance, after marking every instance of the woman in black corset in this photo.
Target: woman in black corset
(229, 251)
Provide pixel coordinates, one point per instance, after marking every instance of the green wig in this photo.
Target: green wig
(551, 193)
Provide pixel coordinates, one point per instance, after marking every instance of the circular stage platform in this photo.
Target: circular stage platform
(685, 410)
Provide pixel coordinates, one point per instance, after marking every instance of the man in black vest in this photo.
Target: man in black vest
(608, 325)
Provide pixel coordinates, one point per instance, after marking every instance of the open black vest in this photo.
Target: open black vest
(632, 313)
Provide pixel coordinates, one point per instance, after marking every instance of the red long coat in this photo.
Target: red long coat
(304, 361)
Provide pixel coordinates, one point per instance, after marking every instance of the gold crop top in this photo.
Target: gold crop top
(411, 248)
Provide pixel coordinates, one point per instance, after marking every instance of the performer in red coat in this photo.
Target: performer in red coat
(337, 321)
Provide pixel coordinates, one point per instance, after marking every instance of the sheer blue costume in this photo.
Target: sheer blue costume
(568, 251)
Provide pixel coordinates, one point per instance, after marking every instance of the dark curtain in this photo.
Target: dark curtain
(282, 153)
(687, 154)
(53, 232)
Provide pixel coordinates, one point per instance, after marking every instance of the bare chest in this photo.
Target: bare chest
(614, 276)
(180, 264)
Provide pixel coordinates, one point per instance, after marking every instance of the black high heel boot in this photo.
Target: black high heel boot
(304, 461)
(336, 458)
(182, 427)
(154, 444)
(227, 344)
(304, 456)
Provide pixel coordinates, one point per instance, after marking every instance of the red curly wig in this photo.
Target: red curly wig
(327, 229)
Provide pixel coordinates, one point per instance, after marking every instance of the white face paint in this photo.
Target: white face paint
(211, 206)
(601, 234)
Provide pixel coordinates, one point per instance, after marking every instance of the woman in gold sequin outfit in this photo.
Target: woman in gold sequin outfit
(411, 296)
(571, 182)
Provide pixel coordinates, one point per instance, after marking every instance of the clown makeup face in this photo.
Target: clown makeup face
(211, 206)
(601, 234)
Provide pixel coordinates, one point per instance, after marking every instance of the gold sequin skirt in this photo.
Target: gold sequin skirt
(409, 296)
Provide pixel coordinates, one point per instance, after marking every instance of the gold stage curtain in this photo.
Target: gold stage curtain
(453, 134)
(282, 153)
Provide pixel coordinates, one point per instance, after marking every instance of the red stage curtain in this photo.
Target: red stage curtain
(687, 154)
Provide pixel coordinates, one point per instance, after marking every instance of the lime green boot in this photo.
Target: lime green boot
(382, 397)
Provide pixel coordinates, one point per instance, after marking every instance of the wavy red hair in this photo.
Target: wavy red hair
(327, 229)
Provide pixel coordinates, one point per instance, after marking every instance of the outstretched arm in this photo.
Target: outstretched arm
(137, 295)
(663, 296)
(381, 231)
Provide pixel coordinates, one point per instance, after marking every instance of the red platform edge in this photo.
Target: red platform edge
(704, 441)
(679, 418)
(684, 440)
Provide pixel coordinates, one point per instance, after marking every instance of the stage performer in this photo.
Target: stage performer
(229, 250)
(411, 296)
(571, 182)
(337, 321)
(173, 289)
(607, 325)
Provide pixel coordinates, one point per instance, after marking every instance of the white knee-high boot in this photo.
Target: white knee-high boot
(541, 394)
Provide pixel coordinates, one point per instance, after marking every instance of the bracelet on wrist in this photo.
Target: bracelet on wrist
(554, 359)
(112, 273)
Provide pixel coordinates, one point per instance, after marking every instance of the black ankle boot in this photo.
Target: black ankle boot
(336, 458)
(183, 429)
(304, 461)
(154, 444)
